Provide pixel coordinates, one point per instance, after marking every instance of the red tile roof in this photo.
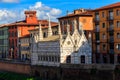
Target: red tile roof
(109, 6)
(43, 27)
(27, 12)
(86, 13)
(23, 23)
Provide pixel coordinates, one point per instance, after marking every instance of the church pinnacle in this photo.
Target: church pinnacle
(40, 32)
(49, 26)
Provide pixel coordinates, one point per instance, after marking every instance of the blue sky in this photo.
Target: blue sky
(13, 10)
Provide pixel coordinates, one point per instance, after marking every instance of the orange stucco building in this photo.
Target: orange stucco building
(84, 21)
(106, 36)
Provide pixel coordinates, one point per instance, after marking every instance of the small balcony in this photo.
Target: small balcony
(111, 28)
(111, 51)
(111, 39)
(96, 19)
(97, 30)
(110, 18)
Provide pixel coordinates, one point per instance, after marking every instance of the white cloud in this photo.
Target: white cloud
(43, 9)
(6, 15)
(10, 1)
(12, 16)
(54, 11)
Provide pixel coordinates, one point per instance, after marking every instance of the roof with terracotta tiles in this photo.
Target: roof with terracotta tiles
(23, 23)
(109, 6)
(86, 13)
(27, 12)
(43, 27)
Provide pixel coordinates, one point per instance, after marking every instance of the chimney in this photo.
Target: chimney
(30, 17)
(78, 11)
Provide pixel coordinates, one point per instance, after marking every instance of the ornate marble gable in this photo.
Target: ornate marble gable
(68, 41)
(78, 48)
(76, 36)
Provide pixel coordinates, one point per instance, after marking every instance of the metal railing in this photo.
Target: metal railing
(110, 18)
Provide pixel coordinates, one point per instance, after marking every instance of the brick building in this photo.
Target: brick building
(106, 37)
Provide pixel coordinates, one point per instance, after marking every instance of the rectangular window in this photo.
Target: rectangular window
(50, 58)
(97, 27)
(117, 12)
(118, 23)
(103, 36)
(39, 57)
(12, 34)
(118, 46)
(97, 16)
(104, 47)
(111, 12)
(111, 24)
(111, 15)
(118, 35)
(103, 15)
(103, 25)
(97, 36)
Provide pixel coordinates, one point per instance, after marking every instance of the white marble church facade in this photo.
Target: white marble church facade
(56, 49)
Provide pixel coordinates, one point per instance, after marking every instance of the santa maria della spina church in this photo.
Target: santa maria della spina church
(60, 48)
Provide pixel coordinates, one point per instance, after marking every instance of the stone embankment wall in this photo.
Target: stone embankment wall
(17, 67)
(77, 72)
(65, 71)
